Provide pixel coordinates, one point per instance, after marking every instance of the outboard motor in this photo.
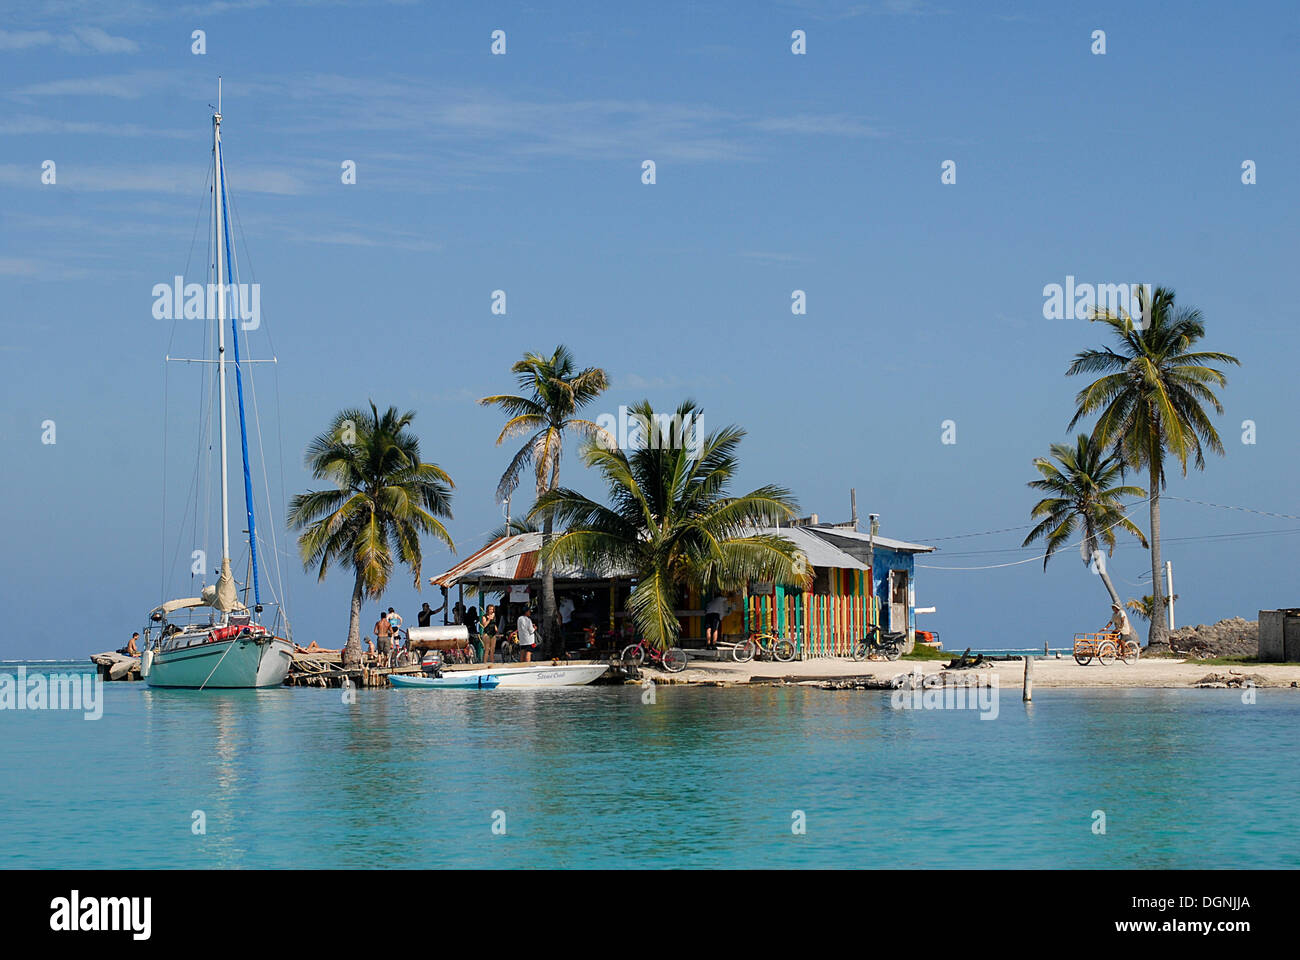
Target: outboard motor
(431, 664)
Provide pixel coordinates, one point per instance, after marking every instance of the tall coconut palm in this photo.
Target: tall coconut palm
(1151, 402)
(384, 498)
(1083, 498)
(552, 391)
(670, 519)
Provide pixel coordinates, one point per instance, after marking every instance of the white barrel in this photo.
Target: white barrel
(452, 631)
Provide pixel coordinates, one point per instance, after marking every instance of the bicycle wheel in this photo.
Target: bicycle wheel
(1082, 655)
(674, 660)
(859, 651)
(744, 651)
(633, 653)
(783, 650)
(1106, 653)
(1130, 651)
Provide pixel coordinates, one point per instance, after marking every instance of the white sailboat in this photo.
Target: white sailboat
(214, 640)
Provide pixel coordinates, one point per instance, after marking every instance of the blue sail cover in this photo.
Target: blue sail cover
(239, 390)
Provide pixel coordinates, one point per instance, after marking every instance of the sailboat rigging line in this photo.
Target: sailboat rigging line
(257, 420)
(239, 384)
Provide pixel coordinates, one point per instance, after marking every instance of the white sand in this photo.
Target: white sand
(1048, 672)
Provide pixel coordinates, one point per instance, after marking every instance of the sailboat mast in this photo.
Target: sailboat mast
(221, 323)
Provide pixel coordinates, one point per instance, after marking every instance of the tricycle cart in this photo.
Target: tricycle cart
(1105, 647)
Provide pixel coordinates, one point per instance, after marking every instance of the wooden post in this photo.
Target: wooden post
(1044, 648)
(1029, 680)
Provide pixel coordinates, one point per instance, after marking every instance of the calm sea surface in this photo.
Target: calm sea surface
(704, 777)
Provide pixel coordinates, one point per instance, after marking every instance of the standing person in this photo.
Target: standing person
(487, 629)
(526, 632)
(564, 619)
(718, 608)
(425, 615)
(458, 613)
(471, 624)
(384, 638)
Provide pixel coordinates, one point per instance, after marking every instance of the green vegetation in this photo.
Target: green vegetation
(671, 521)
(384, 497)
(1151, 402)
(1084, 496)
(552, 391)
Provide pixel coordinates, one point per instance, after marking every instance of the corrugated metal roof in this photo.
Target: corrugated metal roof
(515, 557)
(818, 551)
(888, 543)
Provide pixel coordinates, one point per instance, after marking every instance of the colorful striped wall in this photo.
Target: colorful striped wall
(822, 625)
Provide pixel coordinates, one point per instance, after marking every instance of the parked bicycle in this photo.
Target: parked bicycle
(878, 644)
(673, 659)
(764, 645)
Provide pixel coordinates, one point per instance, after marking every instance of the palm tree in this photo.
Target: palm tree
(1144, 606)
(1082, 496)
(384, 497)
(515, 527)
(670, 519)
(552, 391)
(1151, 400)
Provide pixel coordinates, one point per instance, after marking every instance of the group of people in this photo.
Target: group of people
(485, 631)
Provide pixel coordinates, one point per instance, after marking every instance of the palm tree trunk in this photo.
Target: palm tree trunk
(352, 649)
(550, 639)
(1110, 587)
(1158, 632)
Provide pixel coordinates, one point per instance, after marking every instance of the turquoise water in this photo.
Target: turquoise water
(703, 777)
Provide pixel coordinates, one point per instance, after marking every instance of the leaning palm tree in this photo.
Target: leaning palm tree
(1151, 402)
(1083, 499)
(384, 497)
(552, 391)
(670, 519)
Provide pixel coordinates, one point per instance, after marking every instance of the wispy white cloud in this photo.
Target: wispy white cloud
(28, 125)
(77, 40)
(145, 178)
(121, 86)
(18, 267)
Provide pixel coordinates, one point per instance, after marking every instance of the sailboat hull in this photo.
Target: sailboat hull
(239, 663)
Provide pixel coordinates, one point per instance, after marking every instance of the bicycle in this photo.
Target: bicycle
(672, 660)
(779, 648)
(1106, 647)
(888, 645)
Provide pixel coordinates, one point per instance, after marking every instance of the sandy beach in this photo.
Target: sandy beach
(1047, 672)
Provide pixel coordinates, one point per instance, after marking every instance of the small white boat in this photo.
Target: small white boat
(538, 674)
(465, 681)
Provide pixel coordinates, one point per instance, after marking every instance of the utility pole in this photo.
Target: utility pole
(1169, 582)
(873, 528)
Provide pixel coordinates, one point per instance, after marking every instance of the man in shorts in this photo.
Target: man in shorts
(717, 609)
(384, 637)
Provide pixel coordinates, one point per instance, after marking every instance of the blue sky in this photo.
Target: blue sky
(522, 172)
